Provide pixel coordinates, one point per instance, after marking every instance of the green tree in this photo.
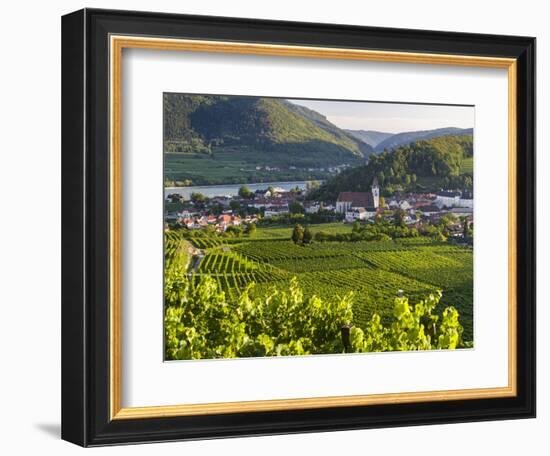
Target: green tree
(245, 192)
(466, 228)
(308, 236)
(297, 234)
(295, 207)
(216, 209)
(399, 217)
(234, 205)
(250, 229)
(198, 199)
(381, 201)
(356, 227)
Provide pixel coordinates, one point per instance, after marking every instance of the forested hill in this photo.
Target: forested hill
(401, 139)
(425, 165)
(275, 130)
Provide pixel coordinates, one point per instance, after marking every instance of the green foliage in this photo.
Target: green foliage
(198, 198)
(371, 264)
(250, 229)
(233, 230)
(321, 217)
(375, 270)
(210, 124)
(295, 207)
(413, 328)
(200, 322)
(176, 248)
(297, 234)
(402, 139)
(399, 217)
(421, 165)
(234, 205)
(379, 231)
(308, 236)
(245, 192)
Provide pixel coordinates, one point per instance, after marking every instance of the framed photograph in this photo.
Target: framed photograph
(277, 227)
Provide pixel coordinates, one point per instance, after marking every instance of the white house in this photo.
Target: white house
(466, 202)
(447, 198)
(356, 214)
(404, 204)
(454, 199)
(311, 208)
(274, 212)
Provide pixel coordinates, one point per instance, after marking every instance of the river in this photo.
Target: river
(231, 189)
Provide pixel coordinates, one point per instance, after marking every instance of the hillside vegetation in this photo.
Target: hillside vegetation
(263, 295)
(400, 139)
(267, 130)
(423, 165)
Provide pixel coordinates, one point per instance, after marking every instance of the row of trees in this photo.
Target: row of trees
(209, 231)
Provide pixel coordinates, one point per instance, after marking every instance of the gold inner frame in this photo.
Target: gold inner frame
(117, 44)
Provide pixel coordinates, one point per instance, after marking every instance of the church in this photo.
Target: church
(359, 205)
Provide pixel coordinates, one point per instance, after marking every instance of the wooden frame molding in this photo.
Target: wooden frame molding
(116, 46)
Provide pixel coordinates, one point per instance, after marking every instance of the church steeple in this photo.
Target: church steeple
(375, 193)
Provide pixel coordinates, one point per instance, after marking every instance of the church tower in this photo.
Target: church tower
(375, 193)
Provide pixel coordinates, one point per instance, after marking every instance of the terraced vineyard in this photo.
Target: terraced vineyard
(447, 268)
(229, 263)
(176, 248)
(374, 271)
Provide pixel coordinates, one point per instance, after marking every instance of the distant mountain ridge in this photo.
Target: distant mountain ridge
(370, 137)
(401, 139)
(379, 140)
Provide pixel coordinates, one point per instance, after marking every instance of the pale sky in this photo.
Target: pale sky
(391, 117)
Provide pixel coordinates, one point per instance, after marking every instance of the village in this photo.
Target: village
(223, 213)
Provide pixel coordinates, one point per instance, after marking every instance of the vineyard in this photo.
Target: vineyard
(374, 271)
(176, 249)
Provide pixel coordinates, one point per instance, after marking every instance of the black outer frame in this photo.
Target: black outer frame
(85, 227)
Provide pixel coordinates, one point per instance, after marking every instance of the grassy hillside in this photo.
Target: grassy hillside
(423, 165)
(270, 130)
